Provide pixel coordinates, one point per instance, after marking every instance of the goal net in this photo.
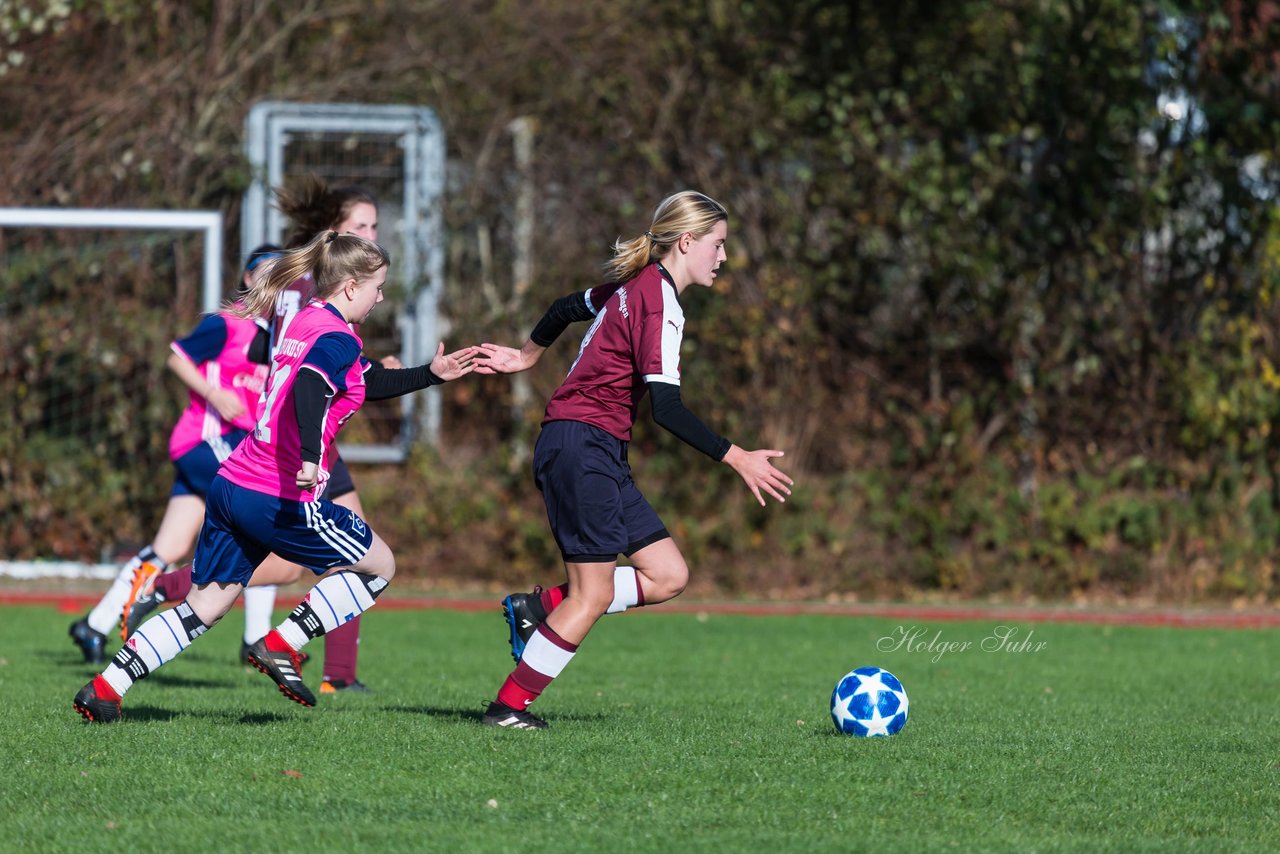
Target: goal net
(89, 301)
(396, 152)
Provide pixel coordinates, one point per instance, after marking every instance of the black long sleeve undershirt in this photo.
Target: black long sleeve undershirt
(381, 383)
(260, 347)
(568, 309)
(310, 391)
(670, 414)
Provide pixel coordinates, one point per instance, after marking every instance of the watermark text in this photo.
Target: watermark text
(922, 641)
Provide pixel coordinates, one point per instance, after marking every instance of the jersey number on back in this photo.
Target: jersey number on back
(271, 397)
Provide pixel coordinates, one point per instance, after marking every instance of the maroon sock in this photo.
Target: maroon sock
(340, 648)
(553, 597)
(175, 585)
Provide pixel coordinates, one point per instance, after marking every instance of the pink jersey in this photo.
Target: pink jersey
(317, 339)
(634, 340)
(219, 348)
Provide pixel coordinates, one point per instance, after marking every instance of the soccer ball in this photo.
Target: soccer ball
(869, 701)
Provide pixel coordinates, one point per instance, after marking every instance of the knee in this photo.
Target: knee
(677, 584)
(209, 609)
(668, 583)
(379, 560)
(385, 564)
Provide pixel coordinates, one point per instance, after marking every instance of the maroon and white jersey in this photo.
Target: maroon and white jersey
(289, 302)
(634, 340)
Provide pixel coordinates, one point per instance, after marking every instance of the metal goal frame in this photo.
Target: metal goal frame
(416, 242)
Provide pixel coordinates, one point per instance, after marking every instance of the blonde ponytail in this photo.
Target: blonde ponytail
(687, 211)
(330, 258)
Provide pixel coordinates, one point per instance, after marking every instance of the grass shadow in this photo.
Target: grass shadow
(473, 716)
(171, 680)
(454, 714)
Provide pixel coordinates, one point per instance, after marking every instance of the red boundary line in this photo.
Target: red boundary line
(75, 603)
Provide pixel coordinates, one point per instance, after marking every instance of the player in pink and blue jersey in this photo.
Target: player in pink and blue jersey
(312, 206)
(223, 363)
(596, 512)
(265, 498)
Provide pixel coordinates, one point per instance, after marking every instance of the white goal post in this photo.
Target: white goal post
(208, 223)
(397, 152)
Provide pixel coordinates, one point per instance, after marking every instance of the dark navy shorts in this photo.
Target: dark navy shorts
(595, 510)
(339, 482)
(241, 527)
(193, 472)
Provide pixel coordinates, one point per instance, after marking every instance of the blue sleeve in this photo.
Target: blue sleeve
(206, 341)
(332, 356)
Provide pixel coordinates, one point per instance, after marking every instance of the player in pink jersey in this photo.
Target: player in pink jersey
(312, 207)
(580, 462)
(264, 498)
(223, 363)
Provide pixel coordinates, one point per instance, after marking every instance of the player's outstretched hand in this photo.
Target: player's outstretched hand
(757, 469)
(459, 363)
(497, 359)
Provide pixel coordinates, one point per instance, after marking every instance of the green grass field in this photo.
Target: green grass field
(672, 732)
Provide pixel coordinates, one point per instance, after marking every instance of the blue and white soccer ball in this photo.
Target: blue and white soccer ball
(869, 701)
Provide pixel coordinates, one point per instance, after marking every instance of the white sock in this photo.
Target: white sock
(341, 597)
(157, 641)
(258, 604)
(105, 616)
(545, 656)
(626, 589)
(334, 600)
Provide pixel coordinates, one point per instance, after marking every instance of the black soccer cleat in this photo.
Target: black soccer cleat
(92, 642)
(524, 613)
(333, 686)
(504, 716)
(97, 705)
(284, 668)
(245, 646)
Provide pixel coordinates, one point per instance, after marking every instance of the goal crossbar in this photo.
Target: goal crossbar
(208, 222)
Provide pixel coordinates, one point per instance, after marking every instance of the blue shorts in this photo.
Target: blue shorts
(241, 527)
(193, 472)
(595, 510)
(339, 482)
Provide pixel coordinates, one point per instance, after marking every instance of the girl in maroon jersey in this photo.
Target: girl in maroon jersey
(580, 462)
